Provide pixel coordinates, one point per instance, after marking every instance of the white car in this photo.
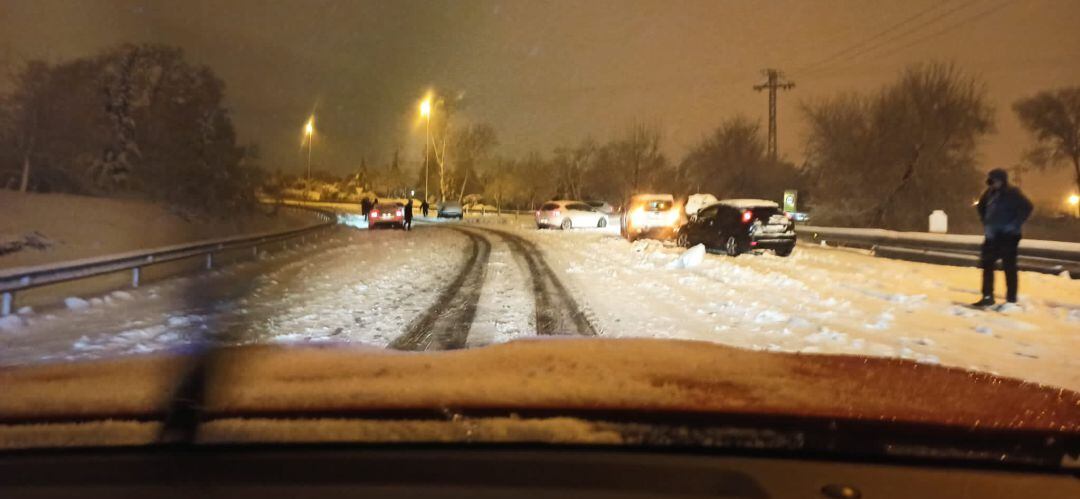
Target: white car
(601, 206)
(650, 215)
(569, 214)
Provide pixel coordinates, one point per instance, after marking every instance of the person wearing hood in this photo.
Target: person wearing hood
(1003, 209)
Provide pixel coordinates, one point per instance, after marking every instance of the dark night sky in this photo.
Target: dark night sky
(549, 73)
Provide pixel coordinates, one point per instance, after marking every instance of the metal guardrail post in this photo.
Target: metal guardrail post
(209, 261)
(135, 277)
(6, 303)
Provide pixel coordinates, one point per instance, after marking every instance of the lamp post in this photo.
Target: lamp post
(1074, 201)
(309, 132)
(425, 111)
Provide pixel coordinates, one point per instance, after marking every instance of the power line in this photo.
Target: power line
(904, 34)
(880, 34)
(951, 27)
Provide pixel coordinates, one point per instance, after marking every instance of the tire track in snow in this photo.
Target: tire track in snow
(556, 311)
(446, 324)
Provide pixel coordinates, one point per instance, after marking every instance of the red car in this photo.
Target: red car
(384, 214)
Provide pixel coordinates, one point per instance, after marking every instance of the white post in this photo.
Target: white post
(135, 277)
(5, 307)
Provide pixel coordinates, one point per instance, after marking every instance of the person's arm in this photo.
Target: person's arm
(1024, 207)
(981, 206)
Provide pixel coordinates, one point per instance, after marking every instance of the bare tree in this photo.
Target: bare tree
(630, 165)
(472, 147)
(571, 165)
(892, 156)
(733, 161)
(1054, 118)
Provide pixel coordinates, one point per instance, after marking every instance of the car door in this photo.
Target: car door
(720, 225)
(581, 215)
(707, 225)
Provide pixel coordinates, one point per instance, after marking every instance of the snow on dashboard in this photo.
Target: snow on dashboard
(558, 374)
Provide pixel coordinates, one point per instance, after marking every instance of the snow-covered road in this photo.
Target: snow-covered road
(493, 280)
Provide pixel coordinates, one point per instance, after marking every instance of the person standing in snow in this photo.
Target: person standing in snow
(408, 214)
(1003, 209)
(365, 208)
(424, 206)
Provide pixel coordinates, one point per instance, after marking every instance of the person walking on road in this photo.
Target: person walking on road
(424, 207)
(408, 214)
(1003, 209)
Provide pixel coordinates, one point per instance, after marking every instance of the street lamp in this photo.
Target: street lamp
(1074, 201)
(425, 112)
(309, 132)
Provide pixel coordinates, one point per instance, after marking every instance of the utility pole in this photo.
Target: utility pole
(774, 81)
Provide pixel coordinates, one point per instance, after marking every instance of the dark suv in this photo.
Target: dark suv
(740, 225)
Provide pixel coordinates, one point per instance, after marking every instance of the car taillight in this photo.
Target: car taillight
(374, 213)
(789, 215)
(537, 212)
(401, 213)
(747, 215)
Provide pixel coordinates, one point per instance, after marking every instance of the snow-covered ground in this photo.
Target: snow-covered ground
(370, 286)
(72, 227)
(823, 300)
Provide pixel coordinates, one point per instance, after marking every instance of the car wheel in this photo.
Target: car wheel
(682, 240)
(785, 251)
(566, 224)
(602, 222)
(731, 247)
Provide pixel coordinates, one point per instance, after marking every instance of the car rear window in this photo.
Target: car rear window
(549, 207)
(765, 213)
(657, 205)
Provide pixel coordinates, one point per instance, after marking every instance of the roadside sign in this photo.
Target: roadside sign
(790, 197)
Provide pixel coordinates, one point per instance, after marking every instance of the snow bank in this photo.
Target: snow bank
(787, 304)
(10, 323)
(76, 303)
(83, 226)
(690, 258)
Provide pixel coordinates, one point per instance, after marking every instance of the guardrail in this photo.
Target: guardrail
(1051, 257)
(21, 278)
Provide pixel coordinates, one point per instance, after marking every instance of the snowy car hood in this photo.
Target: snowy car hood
(126, 399)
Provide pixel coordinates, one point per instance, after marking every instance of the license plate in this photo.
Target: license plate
(386, 216)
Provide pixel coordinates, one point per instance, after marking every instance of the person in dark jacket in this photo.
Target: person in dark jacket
(424, 206)
(1003, 209)
(408, 214)
(365, 208)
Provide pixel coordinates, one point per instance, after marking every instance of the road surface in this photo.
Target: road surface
(455, 285)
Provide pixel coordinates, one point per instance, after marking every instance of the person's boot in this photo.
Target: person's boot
(986, 301)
